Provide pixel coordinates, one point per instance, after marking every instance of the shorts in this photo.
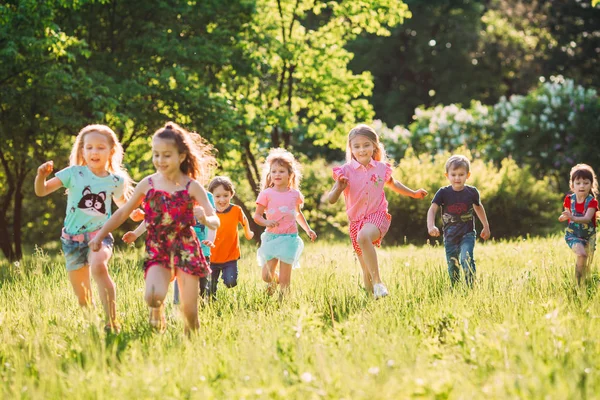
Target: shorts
(286, 247)
(587, 242)
(77, 253)
(381, 220)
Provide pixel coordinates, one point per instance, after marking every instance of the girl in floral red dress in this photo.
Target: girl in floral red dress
(168, 198)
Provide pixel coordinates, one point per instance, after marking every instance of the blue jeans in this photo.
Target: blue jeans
(229, 271)
(203, 286)
(460, 250)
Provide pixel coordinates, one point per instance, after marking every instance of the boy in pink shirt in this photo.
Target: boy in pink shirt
(361, 180)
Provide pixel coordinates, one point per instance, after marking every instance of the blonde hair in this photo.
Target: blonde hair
(199, 161)
(285, 159)
(584, 171)
(458, 161)
(369, 133)
(115, 161)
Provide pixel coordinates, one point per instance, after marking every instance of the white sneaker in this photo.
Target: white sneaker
(379, 290)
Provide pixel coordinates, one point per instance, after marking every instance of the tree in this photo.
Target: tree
(39, 87)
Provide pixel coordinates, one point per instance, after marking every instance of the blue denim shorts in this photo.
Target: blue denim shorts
(77, 253)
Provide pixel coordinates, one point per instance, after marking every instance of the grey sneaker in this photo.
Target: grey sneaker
(379, 290)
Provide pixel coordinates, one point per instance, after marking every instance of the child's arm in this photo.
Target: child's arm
(302, 222)
(137, 214)
(480, 211)
(211, 234)
(207, 215)
(247, 231)
(120, 215)
(43, 187)
(399, 188)
(431, 228)
(338, 188)
(590, 214)
(131, 236)
(260, 220)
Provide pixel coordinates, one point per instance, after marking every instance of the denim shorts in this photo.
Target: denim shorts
(77, 253)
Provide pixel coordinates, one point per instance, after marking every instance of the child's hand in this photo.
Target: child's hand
(270, 223)
(250, 235)
(420, 194)
(566, 215)
(342, 182)
(485, 233)
(129, 237)
(200, 214)
(434, 232)
(45, 169)
(137, 215)
(312, 235)
(208, 243)
(95, 244)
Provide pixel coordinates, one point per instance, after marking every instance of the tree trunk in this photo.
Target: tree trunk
(18, 212)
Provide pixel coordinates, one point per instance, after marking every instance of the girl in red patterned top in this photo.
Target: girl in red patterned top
(580, 208)
(168, 198)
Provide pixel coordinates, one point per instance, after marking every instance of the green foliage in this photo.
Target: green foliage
(554, 127)
(459, 51)
(449, 127)
(328, 220)
(524, 332)
(516, 203)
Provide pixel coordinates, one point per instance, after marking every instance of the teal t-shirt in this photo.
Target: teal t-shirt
(201, 230)
(89, 198)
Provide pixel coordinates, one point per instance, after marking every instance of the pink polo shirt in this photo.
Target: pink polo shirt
(281, 206)
(364, 194)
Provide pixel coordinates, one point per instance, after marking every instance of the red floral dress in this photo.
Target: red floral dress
(171, 241)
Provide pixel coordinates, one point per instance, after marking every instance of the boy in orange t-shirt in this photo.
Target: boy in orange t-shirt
(226, 253)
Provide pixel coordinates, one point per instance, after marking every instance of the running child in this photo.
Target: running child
(362, 180)
(226, 250)
(95, 177)
(580, 208)
(168, 197)
(278, 208)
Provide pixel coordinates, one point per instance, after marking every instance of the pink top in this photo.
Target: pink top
(281, 207)
(364, 194)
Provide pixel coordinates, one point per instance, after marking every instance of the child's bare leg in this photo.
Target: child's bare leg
(80, 280)
(366, 236)
(270, 276)
(189, 294)
(581, 265)
(268, 272)
(366, 274)
(157, 285)
(285, 276)
(106, 286)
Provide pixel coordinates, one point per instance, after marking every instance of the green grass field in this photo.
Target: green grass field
(523, 332)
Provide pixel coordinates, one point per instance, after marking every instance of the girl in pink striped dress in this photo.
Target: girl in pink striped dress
(361, 180)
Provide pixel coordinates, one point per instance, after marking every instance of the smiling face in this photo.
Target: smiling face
(458, 177)
(222, 197)
(362, 149)
(280, 175)
(165, 156)
(96, 151)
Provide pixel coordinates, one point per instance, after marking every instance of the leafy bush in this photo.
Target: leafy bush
(554, 127)
(445, 128)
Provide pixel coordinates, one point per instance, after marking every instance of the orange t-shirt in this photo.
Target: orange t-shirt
(227, 241)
